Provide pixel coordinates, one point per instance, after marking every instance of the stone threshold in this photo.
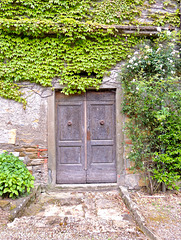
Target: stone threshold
(85, 187)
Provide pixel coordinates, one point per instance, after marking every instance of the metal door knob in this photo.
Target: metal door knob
(69, 123)
(102, 122)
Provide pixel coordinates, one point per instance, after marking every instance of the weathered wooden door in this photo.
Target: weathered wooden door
(86, 137)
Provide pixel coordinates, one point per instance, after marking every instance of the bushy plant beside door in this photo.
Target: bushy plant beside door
(15, 179)
(152, 86)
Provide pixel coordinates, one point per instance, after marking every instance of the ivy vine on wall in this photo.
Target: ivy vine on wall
(41, 40)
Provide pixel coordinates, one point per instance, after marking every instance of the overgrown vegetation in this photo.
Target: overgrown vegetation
(15, 179)
(41, 40)
(66, 40)
(152, 86)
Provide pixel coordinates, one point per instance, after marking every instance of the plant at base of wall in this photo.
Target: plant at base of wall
(15, 179)
(152, 88)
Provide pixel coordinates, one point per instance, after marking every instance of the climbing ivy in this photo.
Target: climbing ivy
(42, 40)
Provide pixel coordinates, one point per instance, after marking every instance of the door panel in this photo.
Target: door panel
(101, 154)
(86, 138)
(70, 142)
(101, 144)
(101, 120)
(70, 155)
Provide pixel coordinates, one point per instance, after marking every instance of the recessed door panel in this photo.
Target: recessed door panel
(101, 154)
(70, 155)
(102, 118)
(69, 122)
(86, 138)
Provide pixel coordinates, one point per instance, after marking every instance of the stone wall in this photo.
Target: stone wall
(24, 132)
(158, 10)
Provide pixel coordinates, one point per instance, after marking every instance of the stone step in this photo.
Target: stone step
(85, 187)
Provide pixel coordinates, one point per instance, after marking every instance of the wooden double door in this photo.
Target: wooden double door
(86, 137)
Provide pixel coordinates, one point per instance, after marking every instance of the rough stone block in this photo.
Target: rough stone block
(31, 150)
(19, 149)
(35, 162)
(33, 156)
(8, 136)
(4, 203)
(21, 154)
(15, 154)
(30, 168)
(31, 146)
(132, 180)
(142, 181)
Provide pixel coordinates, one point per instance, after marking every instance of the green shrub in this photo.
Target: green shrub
(15, 179)
(152, 90)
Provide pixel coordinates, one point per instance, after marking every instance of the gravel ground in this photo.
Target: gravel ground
(74, 216)
(46, 228)
(162, 212)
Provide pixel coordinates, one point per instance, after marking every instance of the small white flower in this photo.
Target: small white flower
(137, 88)
(129, 56)
(172, 72)
(168, 33)
(158, 50)
(135, 53)
(133, 80)
(159, 29)
(171, 44)
(130, 61)
(136, 64)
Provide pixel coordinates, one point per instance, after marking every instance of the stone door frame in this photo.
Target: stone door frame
(121, 165)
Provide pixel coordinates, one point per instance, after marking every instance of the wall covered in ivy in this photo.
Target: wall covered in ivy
(76, 43)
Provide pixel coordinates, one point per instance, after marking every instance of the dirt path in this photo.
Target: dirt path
(75, 215)
(162, 212)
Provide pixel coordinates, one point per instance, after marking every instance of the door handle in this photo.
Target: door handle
(102, 122)
(69, 123)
